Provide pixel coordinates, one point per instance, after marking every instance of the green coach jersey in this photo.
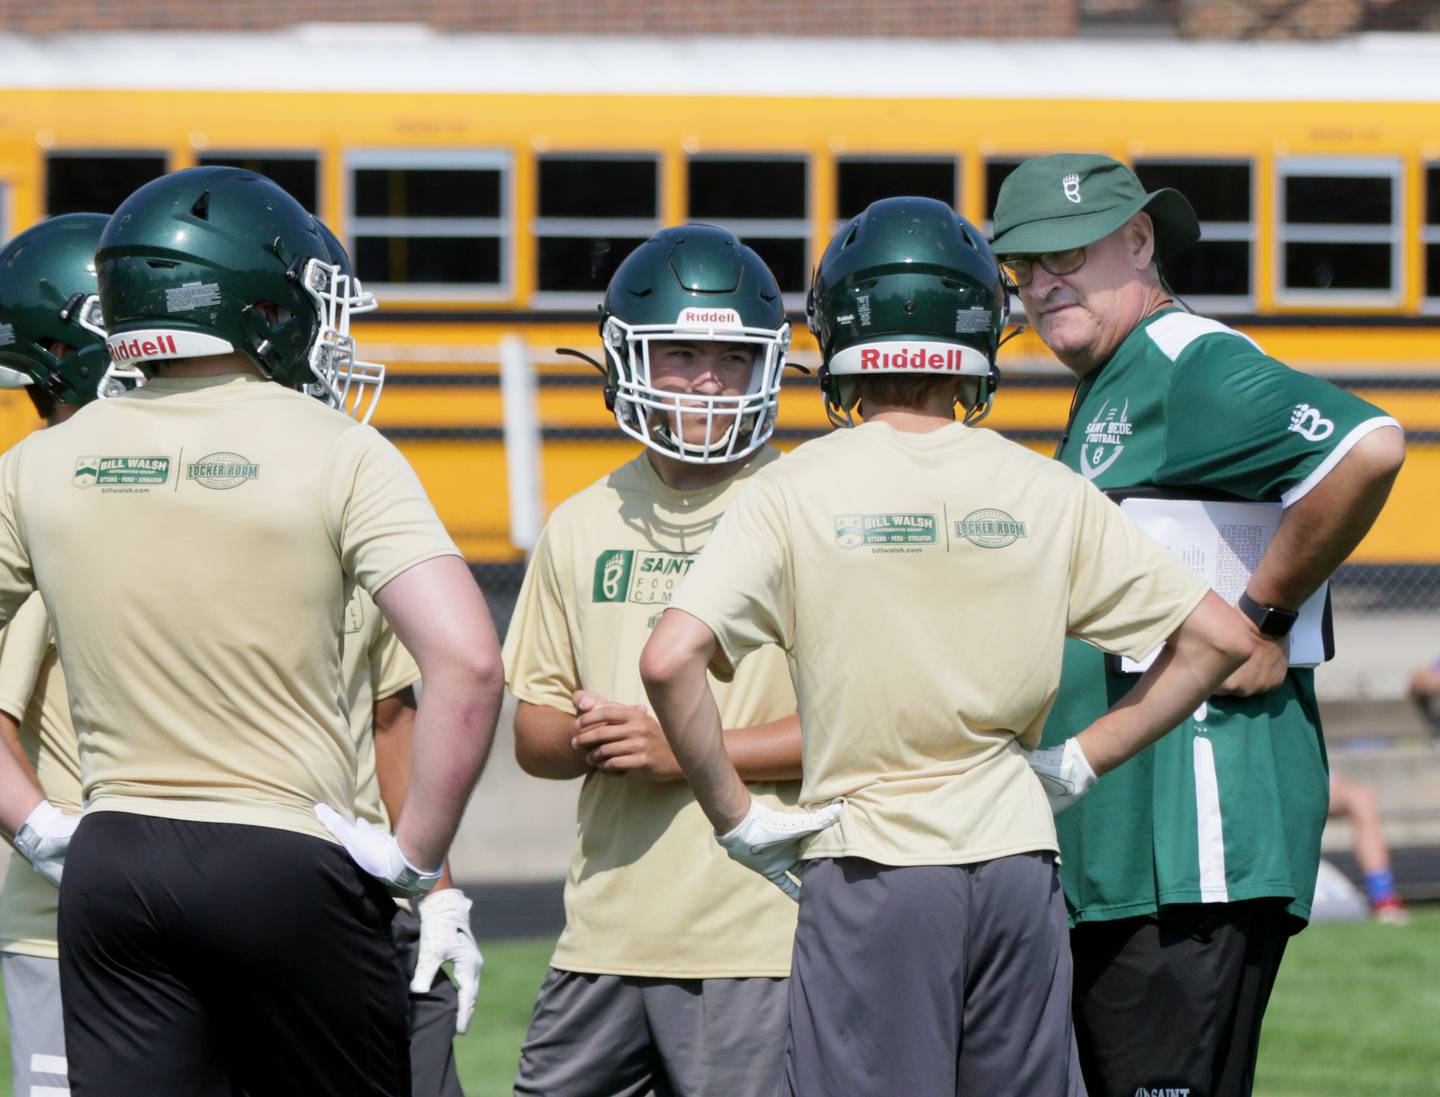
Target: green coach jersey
(1230, 805)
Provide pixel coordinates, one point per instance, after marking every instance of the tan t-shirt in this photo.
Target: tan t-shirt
(377, 666)
(923, 585)
(196, 543)
(650, 892)
(32, 690)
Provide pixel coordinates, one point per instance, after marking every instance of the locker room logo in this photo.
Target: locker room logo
(990, 528)
(139, 473)
(222, 471)
(634, 575)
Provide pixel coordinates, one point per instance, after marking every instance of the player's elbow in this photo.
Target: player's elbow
(1384, 452)
(661, 663)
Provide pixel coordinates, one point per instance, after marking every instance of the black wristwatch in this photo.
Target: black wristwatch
(1270, 620)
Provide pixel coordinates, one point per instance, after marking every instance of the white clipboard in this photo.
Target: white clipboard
(1223, 540)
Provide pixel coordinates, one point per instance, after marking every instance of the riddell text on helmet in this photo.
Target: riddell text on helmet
(950, 360)
(129, 350)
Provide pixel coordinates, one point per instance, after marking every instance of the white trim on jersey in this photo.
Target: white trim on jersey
(1173, 333)
(1209, 825)
(1334, 457)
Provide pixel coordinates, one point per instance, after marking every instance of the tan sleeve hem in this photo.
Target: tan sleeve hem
(433, 554)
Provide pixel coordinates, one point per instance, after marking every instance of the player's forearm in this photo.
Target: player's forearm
(1211, 643)
(543, 743)
(19, 793)
(10, 732)
(454, 729)
(767, 752)
(394, 744)
(1319, 532)
(672, 667)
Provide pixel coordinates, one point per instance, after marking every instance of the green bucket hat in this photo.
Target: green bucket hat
(1054, 203)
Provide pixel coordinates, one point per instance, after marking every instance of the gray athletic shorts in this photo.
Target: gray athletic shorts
(37, 1028)
(932, 981)
(432, 1018)
(620, 1036)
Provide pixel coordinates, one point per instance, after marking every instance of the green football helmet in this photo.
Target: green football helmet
(355, 390)
(684, 284)
(907, 286)
(48, 294)
(187, 260)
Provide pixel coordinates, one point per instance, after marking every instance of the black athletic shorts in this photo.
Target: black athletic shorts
(1171, 1004)
(211, 959)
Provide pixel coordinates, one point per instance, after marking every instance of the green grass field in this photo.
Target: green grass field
(1356, 1013)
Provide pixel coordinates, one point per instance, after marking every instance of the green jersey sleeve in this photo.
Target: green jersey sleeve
(1241, 422)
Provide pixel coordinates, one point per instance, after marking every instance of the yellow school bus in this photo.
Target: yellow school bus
(486, 187)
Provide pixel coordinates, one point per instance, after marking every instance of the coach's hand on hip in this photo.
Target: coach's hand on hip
(1263, 671)
(376, 851)
(768, 841)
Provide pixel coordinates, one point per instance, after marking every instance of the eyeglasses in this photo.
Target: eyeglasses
(1021, 269)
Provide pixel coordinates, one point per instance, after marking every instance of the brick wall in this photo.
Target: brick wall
(907, 18)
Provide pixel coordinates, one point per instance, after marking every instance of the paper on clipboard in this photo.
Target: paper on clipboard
(1223, 542)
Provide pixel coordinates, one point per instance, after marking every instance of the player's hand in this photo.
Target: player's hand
(1263, 671)
(622, 739)
(768, 841)
(376, 851)
(445, 936)
(44, 838)
(1064, 771)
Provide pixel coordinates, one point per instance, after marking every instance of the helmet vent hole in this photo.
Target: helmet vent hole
(161, 264)
(201, 208)
(850, 236)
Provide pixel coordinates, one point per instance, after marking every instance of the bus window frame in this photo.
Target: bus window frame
(955, 160)
(1429, 237)
(1220, 231)
(1322, 167)
(800, 228)
(164, 154)
(541, 227)
(423, 159)
(315, 156)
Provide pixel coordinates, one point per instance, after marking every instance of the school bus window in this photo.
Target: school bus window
(861, 180)
(592, 211)
(1432, 232)
(997, 171)
(430, 223)
(297, 172)
(1339, 231)
(1214, 273)
(764, 200)
(96, 181)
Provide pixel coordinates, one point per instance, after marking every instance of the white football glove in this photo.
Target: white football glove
(44, 838)
(376, 851)
(768, 840)
(445, 934)
(1064, 771)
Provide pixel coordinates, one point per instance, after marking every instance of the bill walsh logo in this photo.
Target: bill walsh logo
(867, 530)
(113, 471)
(990, 528)
(633, 575)
(222, 471)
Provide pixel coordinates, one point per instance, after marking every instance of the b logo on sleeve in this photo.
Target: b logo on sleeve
(1307, 422)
